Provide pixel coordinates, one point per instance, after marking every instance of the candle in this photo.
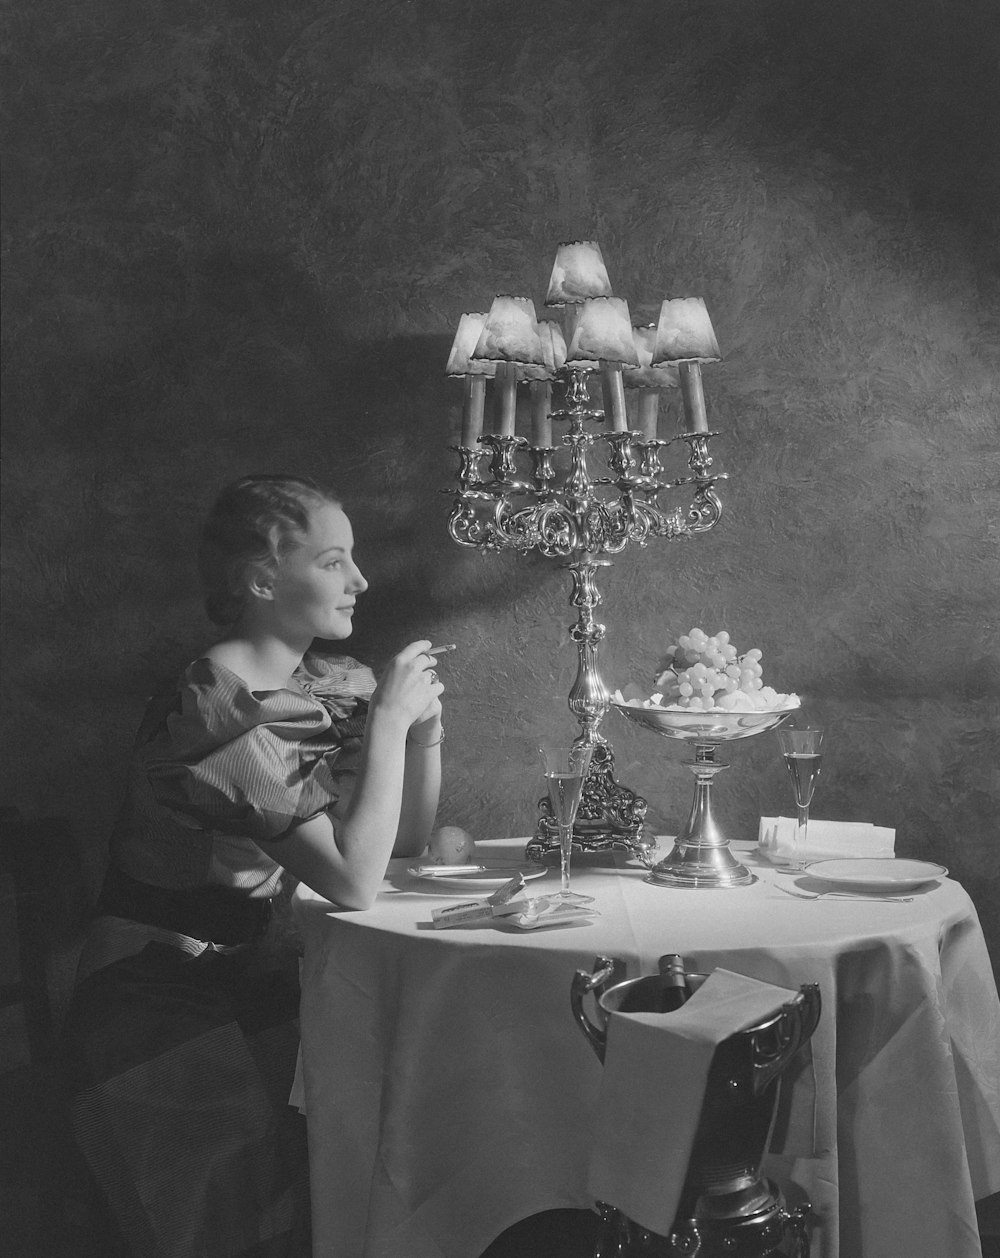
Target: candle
(541, 422)
(606, 399)
(649, 405)
(695, 418)
(614, 395)
(472, 410)
(506, 399)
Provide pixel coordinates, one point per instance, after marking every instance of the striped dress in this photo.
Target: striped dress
(181, 1037)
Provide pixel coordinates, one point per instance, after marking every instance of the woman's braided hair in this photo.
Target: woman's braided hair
(254, 522)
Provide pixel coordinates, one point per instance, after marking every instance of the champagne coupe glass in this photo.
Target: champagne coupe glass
(803, 752)
(565, 772)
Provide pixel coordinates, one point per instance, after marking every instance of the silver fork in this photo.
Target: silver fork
(844, 895)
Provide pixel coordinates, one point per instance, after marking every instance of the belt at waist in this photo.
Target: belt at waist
(214, 914)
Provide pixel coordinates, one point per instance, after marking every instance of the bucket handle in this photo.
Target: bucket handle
(606, 973)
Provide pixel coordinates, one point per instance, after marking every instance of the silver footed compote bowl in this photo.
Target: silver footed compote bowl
(701, 855)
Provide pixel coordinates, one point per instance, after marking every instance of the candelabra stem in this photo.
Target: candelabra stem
(589, 697)
(610, 815)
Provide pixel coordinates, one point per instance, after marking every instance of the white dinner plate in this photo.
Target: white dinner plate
(494, 874)
(873, 873)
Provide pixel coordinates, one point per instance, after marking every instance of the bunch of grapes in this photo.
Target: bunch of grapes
(703, 671)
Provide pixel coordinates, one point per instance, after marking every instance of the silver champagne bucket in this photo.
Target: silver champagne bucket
(727, 1208)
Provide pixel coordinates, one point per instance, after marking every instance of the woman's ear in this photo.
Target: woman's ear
(261, 584)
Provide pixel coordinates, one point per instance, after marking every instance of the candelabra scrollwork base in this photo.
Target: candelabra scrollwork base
(610, 815)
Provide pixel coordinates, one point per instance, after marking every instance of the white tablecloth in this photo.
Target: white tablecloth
(449, 1092)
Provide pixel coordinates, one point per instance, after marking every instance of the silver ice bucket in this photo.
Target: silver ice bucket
(727, 1208)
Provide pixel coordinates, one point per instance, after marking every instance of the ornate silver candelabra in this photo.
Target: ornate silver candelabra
(573, 512)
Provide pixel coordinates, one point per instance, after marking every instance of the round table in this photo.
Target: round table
(449, 1093)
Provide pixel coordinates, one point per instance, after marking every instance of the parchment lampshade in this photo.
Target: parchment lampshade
(510, 334)
(553, 343)
(578, 273)
(646, 376)
(684, 333)
(602, 332)
(460, 361)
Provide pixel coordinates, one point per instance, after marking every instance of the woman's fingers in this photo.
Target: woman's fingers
(422, 653)
(411, 683)
(414, 650)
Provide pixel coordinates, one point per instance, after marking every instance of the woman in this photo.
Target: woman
(267, 756)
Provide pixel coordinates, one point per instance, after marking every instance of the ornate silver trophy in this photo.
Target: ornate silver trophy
(561, 505)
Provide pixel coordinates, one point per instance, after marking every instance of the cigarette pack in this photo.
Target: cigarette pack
(471, 911)
(508, 891)
(506, 899)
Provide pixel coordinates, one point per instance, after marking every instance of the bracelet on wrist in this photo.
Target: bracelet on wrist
(417, 743)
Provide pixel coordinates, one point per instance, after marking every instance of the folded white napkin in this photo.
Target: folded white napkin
(655, 1069)
(824, 839)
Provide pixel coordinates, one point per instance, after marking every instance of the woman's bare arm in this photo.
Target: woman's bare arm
(421, 786)
(344, 859)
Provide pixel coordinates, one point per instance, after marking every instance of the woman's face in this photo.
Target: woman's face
(317, 582)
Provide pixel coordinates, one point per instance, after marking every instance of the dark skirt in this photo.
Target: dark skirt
(178, 1071)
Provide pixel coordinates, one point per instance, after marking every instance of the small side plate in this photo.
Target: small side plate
(873, 873)
(487, 878)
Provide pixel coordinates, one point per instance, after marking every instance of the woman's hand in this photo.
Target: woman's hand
(409, 688)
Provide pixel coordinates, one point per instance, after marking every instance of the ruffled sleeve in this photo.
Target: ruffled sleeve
(342, 685)
(256, 763)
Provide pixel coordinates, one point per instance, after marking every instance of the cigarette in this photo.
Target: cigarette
(440, 650)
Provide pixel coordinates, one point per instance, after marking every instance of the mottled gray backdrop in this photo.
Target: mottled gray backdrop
(239, 237)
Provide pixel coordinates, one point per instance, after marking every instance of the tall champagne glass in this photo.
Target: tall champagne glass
(565, 772)
(803, 752)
